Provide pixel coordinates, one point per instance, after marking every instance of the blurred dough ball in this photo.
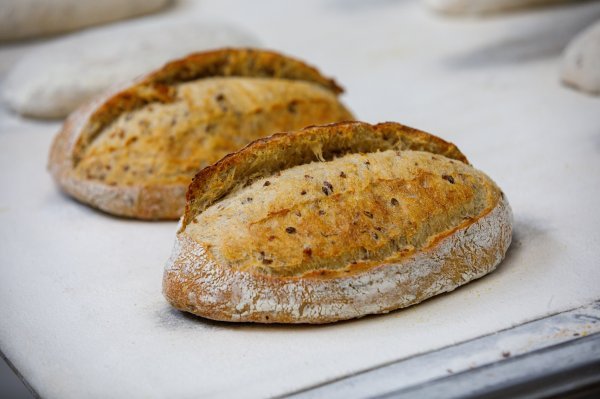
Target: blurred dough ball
(580, 66)
(21, 19)
(55, 79)
(476, 7)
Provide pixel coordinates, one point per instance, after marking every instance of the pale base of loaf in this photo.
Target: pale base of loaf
(194, 283)
(140, 202)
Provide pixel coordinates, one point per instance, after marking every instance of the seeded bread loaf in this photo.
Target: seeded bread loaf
(334, 222)
(134, 150)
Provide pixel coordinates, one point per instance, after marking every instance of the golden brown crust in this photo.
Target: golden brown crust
(201, 278)
(163, 200)
(342, 216)
(335, 139)
(157, 86)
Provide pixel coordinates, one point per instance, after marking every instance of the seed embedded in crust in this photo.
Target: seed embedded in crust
(394, 202)
(342, 175)
(307, 251)
(292, 107)
(264, 260)
(303, 192)
(448, 178)
(290, 230)
(267, 183)
(220, 98)
(368, 214)
(327, 188)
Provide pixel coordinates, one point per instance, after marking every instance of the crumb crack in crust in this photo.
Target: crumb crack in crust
(458, 228)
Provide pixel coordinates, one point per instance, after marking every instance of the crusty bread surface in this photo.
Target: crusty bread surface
(134, 150)
(334, 222)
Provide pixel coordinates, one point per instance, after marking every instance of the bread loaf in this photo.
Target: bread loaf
(133, 151)
(334, 222)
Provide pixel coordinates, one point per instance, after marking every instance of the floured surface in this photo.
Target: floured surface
(81, 309)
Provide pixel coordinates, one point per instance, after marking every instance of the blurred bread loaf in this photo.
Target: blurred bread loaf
(134, 150)
(483, 7)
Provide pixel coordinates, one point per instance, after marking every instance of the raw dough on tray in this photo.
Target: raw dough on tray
(581, 61)
(475, 7)
(22, 19)
(53, 80)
